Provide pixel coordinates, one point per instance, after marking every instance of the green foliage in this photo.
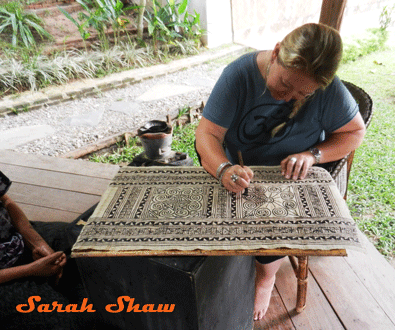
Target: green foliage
(101, 15)
(166, 25)
(191, 26)
(361, 47)
(82, 27)
(371, 196)
(183, 111)
(184, 140)
(386, 16)
(121, 154)
(20, 24)
(161, 23)
(28, 69)
(31, 70)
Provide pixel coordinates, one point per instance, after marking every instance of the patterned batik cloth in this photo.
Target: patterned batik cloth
(185, 208)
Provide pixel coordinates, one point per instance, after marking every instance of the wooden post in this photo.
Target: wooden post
(332, 12)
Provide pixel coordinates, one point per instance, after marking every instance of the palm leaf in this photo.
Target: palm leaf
(183, 7)
(38, 28)
(29, 35)
(23, 34)
(84, 5)
(4, 25)
(65, 13)
(14, 30)
(109, 8)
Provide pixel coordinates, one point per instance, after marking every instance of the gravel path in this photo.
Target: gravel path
(69, 136)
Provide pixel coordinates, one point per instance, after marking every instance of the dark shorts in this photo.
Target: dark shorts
(267, 259)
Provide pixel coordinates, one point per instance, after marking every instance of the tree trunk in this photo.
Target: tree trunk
(140, 21)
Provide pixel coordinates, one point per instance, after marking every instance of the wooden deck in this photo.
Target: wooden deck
(354, 292)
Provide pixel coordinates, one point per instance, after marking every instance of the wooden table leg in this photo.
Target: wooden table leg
(302, 273)
(301, 270)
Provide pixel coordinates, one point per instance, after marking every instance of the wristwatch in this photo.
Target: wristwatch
(316, 153)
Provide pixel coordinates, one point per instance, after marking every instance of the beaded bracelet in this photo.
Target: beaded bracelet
(221, 167)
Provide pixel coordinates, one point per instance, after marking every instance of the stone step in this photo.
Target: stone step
(53, 10)
(49, 3)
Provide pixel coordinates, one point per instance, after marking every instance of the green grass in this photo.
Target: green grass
(184, 139)
(371, 196)
(373, 41)
(122, 154)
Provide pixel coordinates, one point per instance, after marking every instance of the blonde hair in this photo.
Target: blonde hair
(315, 49)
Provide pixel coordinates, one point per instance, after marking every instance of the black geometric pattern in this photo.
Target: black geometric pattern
(185, 208)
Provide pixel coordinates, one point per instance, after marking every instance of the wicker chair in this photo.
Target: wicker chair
(340, 171)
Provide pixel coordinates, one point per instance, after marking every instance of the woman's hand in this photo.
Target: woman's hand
(41, 250)
(44, 250)
(237, 178)
(48, 266)
(296, 166)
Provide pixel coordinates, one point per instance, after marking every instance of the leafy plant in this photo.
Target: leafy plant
(121, 154)
(15, 19)
(386, 17)
(166, 25)
(161, 23)
(101, 15)
(26, 69)
(191, 27)
(82, 28)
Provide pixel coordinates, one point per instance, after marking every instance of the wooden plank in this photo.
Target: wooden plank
(52, 198)
(81, 167)
(39, 213)
(347, 294)
(377, 275)
(318, 313)
(172, 253)
(58, 180)
(80, 253)
(276, 317)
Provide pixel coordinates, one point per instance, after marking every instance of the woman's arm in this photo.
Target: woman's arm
(209, 145)
(33, 240)
(47, 261)
(47, 266)
(338, 145)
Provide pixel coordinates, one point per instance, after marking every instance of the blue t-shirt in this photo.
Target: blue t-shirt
(240, 103)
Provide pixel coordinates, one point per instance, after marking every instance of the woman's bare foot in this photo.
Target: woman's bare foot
(263, 292)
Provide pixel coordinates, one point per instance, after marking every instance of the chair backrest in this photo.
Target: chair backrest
(364, 101)
(365, 104)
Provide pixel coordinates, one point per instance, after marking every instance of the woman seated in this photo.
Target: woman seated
(29, 266)
(279, 107)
